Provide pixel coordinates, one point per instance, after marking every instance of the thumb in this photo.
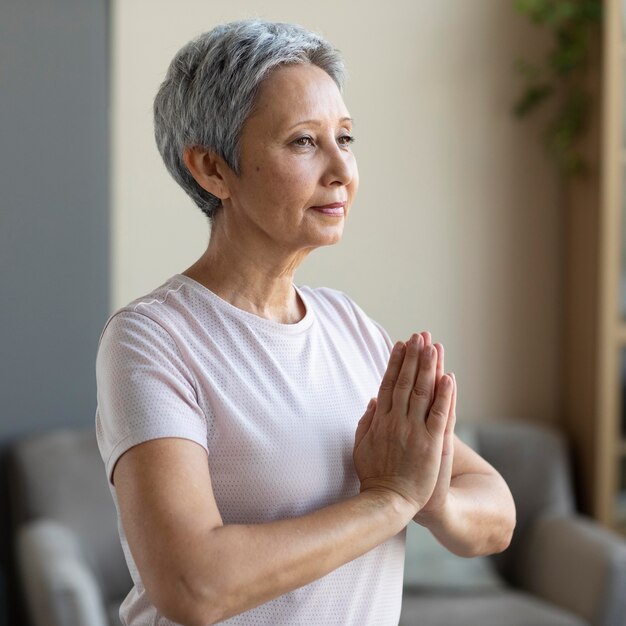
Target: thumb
(365, 422)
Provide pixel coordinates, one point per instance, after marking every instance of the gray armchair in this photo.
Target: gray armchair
(68, 552)
(561, 569)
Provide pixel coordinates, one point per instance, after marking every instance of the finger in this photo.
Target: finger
(448, 443)
(440, 359)
(423, 389)
(450, 426)
(407, 374)
(365, 422)
(454, 393)
(428, 341)
(385, 392)
(437, 420)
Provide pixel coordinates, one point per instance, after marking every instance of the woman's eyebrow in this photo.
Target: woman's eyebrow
(317, 122)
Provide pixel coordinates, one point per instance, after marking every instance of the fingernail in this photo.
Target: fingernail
(371, 404)
(446, 381)
(398, 347)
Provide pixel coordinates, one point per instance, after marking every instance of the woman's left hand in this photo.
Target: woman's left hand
(436, 506)
(470, 511)
(435, 509)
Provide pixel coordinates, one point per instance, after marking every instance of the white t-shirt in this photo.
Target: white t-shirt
(276, 407)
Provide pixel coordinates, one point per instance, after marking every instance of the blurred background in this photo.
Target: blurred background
(463, 224)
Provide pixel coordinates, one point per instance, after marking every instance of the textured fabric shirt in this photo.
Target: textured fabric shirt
(275, 406)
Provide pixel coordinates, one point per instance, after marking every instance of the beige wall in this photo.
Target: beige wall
(455, 228)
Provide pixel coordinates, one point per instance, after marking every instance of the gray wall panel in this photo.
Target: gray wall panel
(53, 214)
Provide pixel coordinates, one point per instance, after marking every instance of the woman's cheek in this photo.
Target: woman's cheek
(296, 180)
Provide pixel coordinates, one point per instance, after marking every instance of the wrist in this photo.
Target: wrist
(437, 518)
(394, 503)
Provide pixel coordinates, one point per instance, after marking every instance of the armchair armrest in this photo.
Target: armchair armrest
(577, 564)
(60, 588)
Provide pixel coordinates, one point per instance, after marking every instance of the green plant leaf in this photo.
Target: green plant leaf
(572, 23)
(531, 71)
(531, 99)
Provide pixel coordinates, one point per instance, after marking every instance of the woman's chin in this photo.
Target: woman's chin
(329, 237)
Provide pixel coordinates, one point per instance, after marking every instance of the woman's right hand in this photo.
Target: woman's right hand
(399, 439)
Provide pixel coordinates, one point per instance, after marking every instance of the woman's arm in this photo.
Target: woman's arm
(471, 511)
(478, 516)
(198, 571)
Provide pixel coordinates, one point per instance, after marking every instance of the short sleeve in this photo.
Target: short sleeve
(369, 327)
(145, 390)
(384, 334)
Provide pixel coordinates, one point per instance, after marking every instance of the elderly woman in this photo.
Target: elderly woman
(251, 482)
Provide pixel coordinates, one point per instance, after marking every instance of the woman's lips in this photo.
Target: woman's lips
(335, 209)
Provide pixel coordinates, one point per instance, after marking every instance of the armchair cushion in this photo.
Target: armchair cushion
(59, 585)
(58, 476)
(534, 461)
(498, 607)
(575, 563)
(68, 550)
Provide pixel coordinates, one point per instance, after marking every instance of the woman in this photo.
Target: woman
(296, 516)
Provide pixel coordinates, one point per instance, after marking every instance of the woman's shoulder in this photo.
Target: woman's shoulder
(166, 293)
(330, 299)
(334, 302)
(151, 309)
(333, 306)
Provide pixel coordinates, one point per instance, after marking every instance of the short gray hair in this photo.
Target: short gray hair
(210, 86)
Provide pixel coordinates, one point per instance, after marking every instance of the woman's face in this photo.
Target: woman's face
(298, 175)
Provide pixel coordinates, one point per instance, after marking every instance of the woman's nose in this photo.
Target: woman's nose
(340, 166)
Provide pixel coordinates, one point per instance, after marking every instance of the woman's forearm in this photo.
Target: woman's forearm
(479, 516)
(237, 567)
(198, 571)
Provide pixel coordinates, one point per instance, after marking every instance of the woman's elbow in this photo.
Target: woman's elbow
(187, 603)
(505, 518)
(501, 539)
(502, 527)
(496, 541)
(511, 522)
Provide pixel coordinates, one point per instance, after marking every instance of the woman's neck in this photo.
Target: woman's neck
(252, 279)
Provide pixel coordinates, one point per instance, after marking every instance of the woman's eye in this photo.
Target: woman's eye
(307, 141)
(304, 141)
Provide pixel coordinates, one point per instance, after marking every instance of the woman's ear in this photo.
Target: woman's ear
(208, 170)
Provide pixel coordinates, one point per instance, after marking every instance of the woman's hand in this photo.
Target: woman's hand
(437, 503)
(399, 441)
(471, 511)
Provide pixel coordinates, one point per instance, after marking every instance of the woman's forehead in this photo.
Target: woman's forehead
(294, 94)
